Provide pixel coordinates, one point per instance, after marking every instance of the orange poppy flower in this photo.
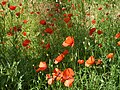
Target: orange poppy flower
(59, 58)
(98, 62)
(110, 55)
(42, 67)
(65, 52)
(90, 61)
(68, 42)
(81, 61)
(48, 76)
(50, 81)
(117, 35)
(68, 73)
(118, 43)
(68, 83)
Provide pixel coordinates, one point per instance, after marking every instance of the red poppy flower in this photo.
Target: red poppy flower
(59, 58)
(69, 0)
(43, 22)
(26, 42)
(4, 3)
(100, 8)
(81, 61)
(70, 15)
(68, 42)
(12, 7)
(117, 35)
(47, 46)
(10, 34)
(18, 14)
(99, 32)
(20, 4)
(110, 56)
(24, 33)
(38, 13)
(67, 19)
(25, 21)
(93, 21)
(32, 12)
(92, 30)
(90, 61)
(65, 52)
(48, 30)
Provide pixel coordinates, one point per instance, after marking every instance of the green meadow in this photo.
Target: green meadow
(59, 45)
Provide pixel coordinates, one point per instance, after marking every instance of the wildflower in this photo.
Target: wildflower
(68, 77)
(12, 7)
(117, 35)
(118, 43)
(59, 58)
(81, 61)
(92, 30)
(68, 73)
(110, 56)
(90, 61)
(99, 32)
(98, 62)
(48, 76)
(67, 19)
(68, 42)
(26, 42)
(25, 21)
(50, 81)
(93, 21)
(10, 34)
(68, 83)
(43, 22)
(47, 46)
(48, 30)
(65, 52)
(3, 3)
(24, 33)
(42, 66)
(100, 8)
(18, 14)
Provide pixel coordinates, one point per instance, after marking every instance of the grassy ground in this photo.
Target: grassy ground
(18, 62)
